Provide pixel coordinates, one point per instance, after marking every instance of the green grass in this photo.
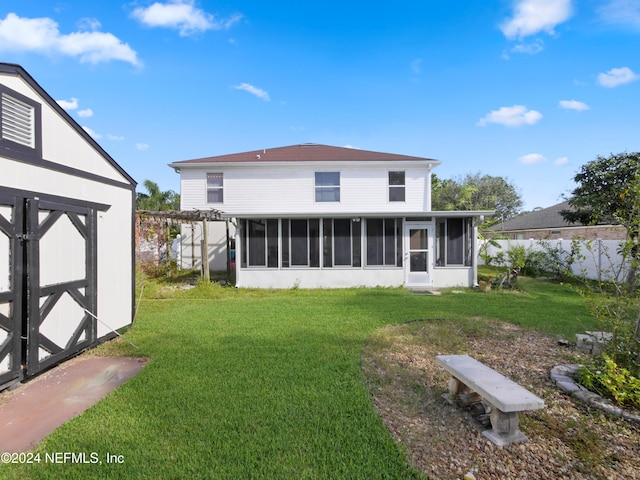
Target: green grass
(268, 384)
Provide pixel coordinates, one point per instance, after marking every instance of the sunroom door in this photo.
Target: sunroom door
(418, 256)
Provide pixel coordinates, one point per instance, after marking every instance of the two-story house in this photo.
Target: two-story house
(318, 216)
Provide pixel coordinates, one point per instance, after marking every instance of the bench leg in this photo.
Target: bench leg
(456, 387)
(504, 427)
(460, 393)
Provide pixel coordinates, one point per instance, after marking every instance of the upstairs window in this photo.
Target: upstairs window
(20, 126)
(327, 186)
(215, 188)
(396, 187)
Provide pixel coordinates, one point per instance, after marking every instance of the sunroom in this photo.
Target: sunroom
(430, 251)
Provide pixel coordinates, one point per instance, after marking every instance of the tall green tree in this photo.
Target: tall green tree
(157, 200)
(609, 191)
(476, 192)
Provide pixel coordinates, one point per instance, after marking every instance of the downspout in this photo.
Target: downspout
(228, 252)
(474, 262)
(205, 251)
(239, 248)
(427, 206)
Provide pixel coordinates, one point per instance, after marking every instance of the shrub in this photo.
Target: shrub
(610, 380)
(517, 257)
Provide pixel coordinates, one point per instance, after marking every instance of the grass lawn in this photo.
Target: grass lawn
(268, 384)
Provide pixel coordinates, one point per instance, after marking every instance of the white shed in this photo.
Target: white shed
(67, 211)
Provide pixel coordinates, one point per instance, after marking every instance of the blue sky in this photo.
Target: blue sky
(525, 89)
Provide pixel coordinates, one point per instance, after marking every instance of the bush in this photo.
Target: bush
(610, 380)
(535, 263)
(517, 257)
(161, 270)
(616, 371)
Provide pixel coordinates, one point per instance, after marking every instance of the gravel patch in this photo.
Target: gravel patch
(567, 439)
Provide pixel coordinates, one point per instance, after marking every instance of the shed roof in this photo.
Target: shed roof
(305, 152)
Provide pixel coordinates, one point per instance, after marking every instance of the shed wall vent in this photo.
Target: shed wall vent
(18, 121)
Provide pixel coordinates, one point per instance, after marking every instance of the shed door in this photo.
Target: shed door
(11, 220)
(61, 282)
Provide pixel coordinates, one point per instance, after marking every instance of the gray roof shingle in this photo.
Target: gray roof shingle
(306, 152)
(546, 218)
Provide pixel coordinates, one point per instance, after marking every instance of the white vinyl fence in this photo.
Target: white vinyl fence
(596, 260)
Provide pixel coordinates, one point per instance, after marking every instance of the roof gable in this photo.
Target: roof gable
(9, 69)
(306, 152)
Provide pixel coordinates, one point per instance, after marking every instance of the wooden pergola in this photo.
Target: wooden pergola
(193, 216)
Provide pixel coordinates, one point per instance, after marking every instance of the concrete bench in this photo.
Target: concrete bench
(503, 398)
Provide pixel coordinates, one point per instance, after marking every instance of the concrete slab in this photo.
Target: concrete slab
(33, 410)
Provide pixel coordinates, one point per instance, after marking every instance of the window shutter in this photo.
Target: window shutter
(18, 122)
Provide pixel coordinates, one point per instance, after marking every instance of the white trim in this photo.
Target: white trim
(429, 164)
(404, 215)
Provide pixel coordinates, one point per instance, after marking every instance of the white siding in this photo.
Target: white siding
(193, 190)
(291, 190)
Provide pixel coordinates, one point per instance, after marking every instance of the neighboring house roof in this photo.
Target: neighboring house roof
(306, 152)
(540, 219)
(17, 70)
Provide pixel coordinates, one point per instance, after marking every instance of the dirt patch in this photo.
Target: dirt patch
(32, 411)
(566, 438)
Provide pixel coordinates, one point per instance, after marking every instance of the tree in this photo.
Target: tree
(476, 192)
(157, 200)
(609, 191)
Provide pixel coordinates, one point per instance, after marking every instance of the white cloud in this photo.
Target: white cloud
(73, 105)
(532, 158)
(68, 104)
(115, 138)
(258, 92)
(511, 116)
(561, 161)
(41, 35)
(91, 24)
(621, 12)
(181, 15)
(616, 77)
(416, 65)
(532, 48)
(141, 147)
(533, 16)
(574, 105)
(94, 135)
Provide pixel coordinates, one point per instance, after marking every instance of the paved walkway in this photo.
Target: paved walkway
(33, 410)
